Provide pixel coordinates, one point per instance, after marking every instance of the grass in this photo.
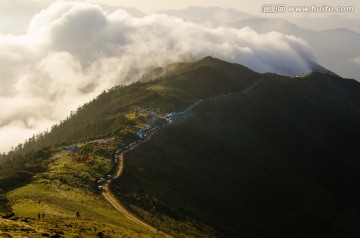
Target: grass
(67, 187)
(174, 90)
(69, 227)
(280, 161)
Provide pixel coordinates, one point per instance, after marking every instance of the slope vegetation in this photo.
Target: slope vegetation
(278, 161)
(36, 185)
(50, 204)
(245, 155)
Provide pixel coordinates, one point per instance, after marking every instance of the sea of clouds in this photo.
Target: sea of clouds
(72, 51)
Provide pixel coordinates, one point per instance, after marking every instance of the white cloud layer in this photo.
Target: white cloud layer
(74, 50)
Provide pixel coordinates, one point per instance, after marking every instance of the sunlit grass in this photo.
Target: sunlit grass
(63, 190)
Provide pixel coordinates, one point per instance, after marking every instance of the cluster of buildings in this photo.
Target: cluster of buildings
(145, 109)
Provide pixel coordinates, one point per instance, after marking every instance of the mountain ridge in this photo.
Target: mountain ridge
(253, 148)
(263, 167)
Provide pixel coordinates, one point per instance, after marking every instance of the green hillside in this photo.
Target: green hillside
(46, 205)
(109, 116)
(261, 155)
(111, 113)
(279, 161)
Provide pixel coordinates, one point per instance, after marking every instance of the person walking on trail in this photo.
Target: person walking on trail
(77, 215)
(39, 216)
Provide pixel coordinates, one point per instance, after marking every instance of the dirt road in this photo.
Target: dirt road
(109, 196)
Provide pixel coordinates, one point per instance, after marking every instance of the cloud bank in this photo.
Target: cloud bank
(72, 51)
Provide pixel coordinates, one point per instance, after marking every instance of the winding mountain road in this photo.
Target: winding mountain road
(109, 196)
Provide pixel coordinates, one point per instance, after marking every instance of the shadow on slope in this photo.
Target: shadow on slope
(279, 161)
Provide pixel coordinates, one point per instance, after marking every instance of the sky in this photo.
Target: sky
(15, 14)
(253, 7)
(312, 21)
(150, 6)
(57, 55)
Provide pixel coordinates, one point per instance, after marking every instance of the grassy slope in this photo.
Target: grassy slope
(175, 87)
(247, 145)
(175, 90)
(280, 161)
(68, 186)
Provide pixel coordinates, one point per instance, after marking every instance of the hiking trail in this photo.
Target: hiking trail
(110, 197)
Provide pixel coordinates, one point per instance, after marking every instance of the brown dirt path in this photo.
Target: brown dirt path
(109, 196)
